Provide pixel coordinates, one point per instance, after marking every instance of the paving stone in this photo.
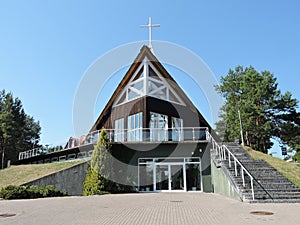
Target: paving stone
(147, 208)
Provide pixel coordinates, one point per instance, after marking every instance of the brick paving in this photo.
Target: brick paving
(154, 208)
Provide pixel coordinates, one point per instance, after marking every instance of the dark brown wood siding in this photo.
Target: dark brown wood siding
(190, 116)
(123, 111)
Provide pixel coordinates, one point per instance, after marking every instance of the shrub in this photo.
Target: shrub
(296, 157)
(28, 192)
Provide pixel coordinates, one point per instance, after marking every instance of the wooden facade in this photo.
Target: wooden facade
(146, 104)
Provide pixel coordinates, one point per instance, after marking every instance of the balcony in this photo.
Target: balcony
(138, 135)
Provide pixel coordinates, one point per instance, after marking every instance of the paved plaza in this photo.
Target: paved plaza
(154, 208)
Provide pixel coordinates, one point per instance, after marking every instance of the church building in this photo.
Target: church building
(160, 141)
(154, 127)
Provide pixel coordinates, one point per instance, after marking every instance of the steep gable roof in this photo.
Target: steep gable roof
(145, 53)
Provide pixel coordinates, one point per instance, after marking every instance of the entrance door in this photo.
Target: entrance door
(177, 177)
(193, 177)
(162, 177)
(170, 177)
(176, 174)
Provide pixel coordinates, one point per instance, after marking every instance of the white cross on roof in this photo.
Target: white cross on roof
(150, 25)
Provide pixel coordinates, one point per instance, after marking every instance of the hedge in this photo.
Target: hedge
(29, 192)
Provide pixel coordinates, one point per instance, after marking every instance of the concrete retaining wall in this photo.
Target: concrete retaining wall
(69, 180)
(222, 184)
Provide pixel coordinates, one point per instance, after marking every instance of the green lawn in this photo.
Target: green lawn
(288, 169)
(17, 175)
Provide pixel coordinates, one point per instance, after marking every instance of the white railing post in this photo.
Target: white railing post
(235, 167)
(224, 153)
(252, 188)
(193, 134)
(243, 177)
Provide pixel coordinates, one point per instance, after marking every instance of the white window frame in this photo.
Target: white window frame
(119, 130)
(135, 127)
(177, 132)
(158, 133)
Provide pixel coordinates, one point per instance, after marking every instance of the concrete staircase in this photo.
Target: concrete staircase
(269, 184)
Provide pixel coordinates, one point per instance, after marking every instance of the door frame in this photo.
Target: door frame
(169, 164)
(183, 161)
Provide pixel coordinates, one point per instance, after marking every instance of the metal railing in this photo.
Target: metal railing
(138, 135)
(224, 153)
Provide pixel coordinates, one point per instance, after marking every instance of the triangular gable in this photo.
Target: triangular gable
(159, 79)
(147, 81)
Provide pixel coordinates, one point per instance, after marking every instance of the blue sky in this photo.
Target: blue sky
(46, 46)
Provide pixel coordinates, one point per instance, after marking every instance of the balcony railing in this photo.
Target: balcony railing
(138, 135)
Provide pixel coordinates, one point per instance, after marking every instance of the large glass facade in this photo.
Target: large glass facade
(135, 127)
(119, 130)
(158, 127)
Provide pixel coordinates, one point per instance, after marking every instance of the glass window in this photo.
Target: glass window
(158, 127)
(146, 177)
(135, 126)
(177, 132)
(119, 130)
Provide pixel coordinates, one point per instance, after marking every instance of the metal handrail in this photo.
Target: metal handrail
(145, 135)
(221, 152)
(253, 178)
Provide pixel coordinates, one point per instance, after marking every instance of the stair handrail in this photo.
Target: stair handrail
(221, 152)
(263, 188)
(243, 169)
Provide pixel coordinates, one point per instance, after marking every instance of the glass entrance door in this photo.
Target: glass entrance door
(162, 177)
(170, 177)
(177, 177)
(193, 177)
(172, 174)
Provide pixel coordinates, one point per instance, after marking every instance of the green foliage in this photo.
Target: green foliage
(29, 192)
(100, 172)
(92, 184)
(18, 131)
(296, 157)
(289, 170)
(100, 175)
(265, 112)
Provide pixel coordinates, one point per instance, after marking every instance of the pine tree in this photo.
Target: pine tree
(265, 112)
(18, 131)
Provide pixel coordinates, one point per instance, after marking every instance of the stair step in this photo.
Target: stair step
(270, 181)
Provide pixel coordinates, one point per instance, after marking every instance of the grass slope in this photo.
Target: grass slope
(289, 170)
(17, 175)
